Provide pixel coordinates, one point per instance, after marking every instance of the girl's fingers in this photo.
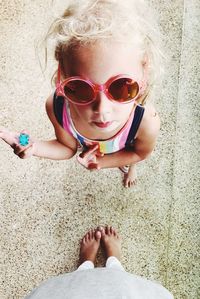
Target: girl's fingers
(2, 130)
(24, 132)
(99, 154)
(20, 142)
(82, 161)
(26, 153)
(89, 152)
(85, 161)
(19, 149)
(88, 163)
(93, 166)
(9, 138)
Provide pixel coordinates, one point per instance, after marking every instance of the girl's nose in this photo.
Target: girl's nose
(102, 105)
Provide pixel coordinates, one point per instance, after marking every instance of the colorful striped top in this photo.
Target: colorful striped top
(123, 139)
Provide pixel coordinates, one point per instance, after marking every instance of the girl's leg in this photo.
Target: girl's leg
(130, 175)
(88, 249)
(130, 179)
(114, 263)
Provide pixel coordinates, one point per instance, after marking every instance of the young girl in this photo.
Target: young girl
(108, 63)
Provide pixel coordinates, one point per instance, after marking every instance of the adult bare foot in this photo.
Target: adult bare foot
(111, 241)
(89, 246)
(130, 178)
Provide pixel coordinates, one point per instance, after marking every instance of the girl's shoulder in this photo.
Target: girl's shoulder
(50, 110)
(49, 101)
(61, 134)
(150, 124)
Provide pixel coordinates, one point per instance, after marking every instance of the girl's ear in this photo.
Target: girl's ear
(61, 69)
(58, 75)
(64, 66)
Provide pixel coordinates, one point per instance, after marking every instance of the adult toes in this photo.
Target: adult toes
(114, 232)
(98, 235)
(111, 230)
(91, 235)
(87, 236)
(84, 240)
(101, 229)
(107, 230)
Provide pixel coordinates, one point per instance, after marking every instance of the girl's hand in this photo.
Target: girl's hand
(12, 138)
(90, 158)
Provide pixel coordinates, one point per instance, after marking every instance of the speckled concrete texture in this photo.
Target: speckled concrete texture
(47, 206)
(184, 242)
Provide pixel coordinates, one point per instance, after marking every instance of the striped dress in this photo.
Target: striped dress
(122, 140)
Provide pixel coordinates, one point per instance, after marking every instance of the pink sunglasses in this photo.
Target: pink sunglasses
(80, 91)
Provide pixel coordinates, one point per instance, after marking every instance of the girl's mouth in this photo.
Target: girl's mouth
(102, 124)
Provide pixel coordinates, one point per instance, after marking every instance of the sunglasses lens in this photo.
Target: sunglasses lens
(123, 89)
(78, 91)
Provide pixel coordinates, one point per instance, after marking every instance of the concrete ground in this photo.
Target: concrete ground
(47, 206)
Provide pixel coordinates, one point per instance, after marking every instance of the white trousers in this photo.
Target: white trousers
(112, 262)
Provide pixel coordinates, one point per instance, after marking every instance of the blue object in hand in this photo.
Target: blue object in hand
(24, 139)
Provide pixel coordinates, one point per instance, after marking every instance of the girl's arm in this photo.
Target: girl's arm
(52, 149)
(142, 147)
(63, 147)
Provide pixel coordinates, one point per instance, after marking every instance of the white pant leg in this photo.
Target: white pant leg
(85, 266)
(114, 263)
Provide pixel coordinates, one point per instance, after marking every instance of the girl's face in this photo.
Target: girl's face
(98, 63)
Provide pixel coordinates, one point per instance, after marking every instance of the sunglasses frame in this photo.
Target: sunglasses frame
(98, 87)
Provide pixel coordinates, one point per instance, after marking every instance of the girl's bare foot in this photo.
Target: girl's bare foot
(89, 246)
(130, 178)
(111, 241)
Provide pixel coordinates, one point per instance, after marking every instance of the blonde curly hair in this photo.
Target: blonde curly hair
(89, 21)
